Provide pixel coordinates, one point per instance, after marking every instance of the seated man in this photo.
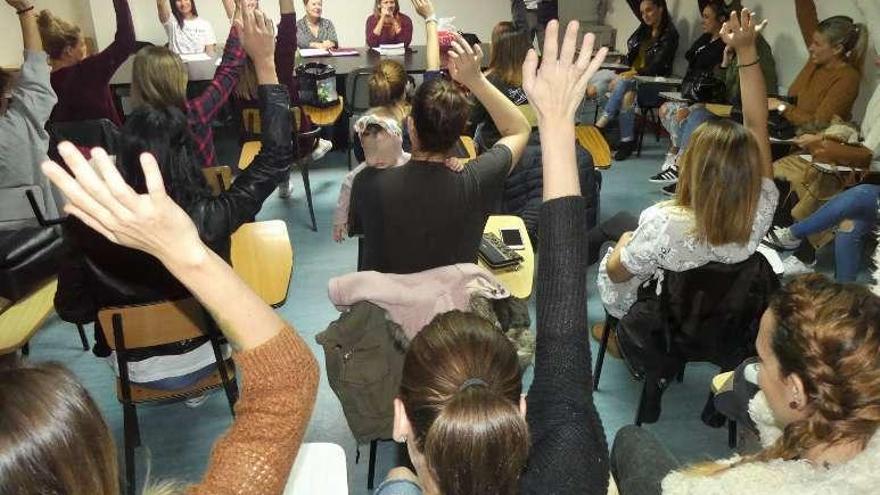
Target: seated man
(423, 215)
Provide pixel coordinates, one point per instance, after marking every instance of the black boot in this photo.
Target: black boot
(624, 150)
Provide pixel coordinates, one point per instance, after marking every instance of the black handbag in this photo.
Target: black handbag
(703, 87)
(28, 258)
(317, 85)
(496, 254)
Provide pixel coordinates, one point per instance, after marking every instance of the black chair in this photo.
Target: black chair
(84, 133)
(357, 101)
(708, 314)
(131, 328)
(648, 100)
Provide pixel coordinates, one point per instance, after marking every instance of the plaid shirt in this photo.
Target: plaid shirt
(202, 110)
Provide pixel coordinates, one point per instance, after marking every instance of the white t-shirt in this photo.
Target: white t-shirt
(193, 37)
(664, 240)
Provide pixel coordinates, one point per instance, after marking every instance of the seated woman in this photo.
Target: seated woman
(826, 88)
(509, 49)
(650, 52)
(703, 57)
(159, 79)
(49, 419)
(725, 200)
(819, 371)
(113, 276)
(460, 411)
(188, 33)
(421, 215)
(81, 82)
(314, 31)
(23, 137)
(387, 26)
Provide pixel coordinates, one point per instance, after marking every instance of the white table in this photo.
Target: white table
(673, 96)
(201, 70)
(320, 468)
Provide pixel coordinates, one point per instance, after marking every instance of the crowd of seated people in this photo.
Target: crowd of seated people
(460, 413)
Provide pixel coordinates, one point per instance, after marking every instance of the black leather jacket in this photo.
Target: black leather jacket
(100, 274)
(661, 52)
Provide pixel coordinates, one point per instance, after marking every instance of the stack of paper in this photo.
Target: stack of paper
(344, 52)
(313, 52)
(391, 50)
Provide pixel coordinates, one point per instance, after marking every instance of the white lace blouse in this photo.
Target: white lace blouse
(664, 240)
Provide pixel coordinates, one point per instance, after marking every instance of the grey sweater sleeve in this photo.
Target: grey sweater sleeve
(33, 97)
(569, 454)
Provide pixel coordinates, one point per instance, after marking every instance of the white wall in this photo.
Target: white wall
(783, 35)
(10, 47)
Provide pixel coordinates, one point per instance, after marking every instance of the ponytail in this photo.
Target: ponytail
(387, 84)
(857, 46)
(460, 389)
(57, 34)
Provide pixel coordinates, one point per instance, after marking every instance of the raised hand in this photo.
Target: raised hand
(20, 5)
(741, 31)
(100, 198)
(425, 8)
(465, 61)
(258, 33)
(557, 87)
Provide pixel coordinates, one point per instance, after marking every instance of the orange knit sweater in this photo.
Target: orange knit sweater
(279, 382)
(821, 92)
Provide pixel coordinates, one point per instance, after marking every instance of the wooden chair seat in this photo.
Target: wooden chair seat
(590, 139)
(325, 116)
(20, 321)
(219, 178)
(518, 282)
(142, 395)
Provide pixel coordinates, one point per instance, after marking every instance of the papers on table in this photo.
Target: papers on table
(673, 96)
(826, 167)
(344, 52)
(314, 52)
(195, 57)
(397, 49)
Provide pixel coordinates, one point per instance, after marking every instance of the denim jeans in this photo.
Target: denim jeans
(859, 205)
(627, 119)
(697, 117)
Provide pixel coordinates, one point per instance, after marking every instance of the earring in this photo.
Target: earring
(793, 405)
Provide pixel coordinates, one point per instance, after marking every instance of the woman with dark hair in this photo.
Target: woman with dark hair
(187, 32)
(53, 430)
(460, 412)
(817, 412)
(82, 82)
(509, 48)
(650, 52)
(387, 26)
(117, 276)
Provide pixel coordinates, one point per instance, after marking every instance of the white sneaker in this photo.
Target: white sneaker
(794, 267)
(669, 162)
(667, 176)
(323, 147)
(285, 188)
(781, 239)
(196, 401)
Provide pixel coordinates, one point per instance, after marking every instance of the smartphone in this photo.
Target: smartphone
(512, 238)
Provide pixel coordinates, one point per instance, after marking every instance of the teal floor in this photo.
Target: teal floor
(179, 439)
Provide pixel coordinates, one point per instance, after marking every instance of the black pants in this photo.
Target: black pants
(639, 462)
(608, 231)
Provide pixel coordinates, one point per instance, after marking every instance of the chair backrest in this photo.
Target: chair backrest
(85, 133)
(712, 312)
(148, 325)
(219, 178)
(357, 91)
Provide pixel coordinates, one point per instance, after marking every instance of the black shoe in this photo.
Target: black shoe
(668, 176)
(624, 150)
(670, 189)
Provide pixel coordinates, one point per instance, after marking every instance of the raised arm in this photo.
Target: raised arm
(741, 33)
(229, 7)
(425, 8)
(285, 46)
(635, 5)
(464, 67)
(212, 99)
(568, 450)
(110, 58)
(279, 374)
(808, 19)
(164, 9)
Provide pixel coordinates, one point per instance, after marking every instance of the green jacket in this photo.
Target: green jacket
(730, 75)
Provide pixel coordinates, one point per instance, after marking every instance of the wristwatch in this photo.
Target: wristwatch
(781, 108)
(431, 18)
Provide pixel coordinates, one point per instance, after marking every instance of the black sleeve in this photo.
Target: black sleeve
(569, 454)
(217, 218)
(518, 14)
(635, 5)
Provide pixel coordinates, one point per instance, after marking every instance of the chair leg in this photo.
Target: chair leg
(371, 470)
(600, 357)
(132, 439)
(731, 434)
(26, 349)
(642, 398)
(680, 376)
(82, 336)
(640, 137)
(304, 170)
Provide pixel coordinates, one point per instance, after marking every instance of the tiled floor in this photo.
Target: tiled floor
(179, 439)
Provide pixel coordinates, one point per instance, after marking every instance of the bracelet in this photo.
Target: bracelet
(743, 66)
(24, 11)
(431, 18)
